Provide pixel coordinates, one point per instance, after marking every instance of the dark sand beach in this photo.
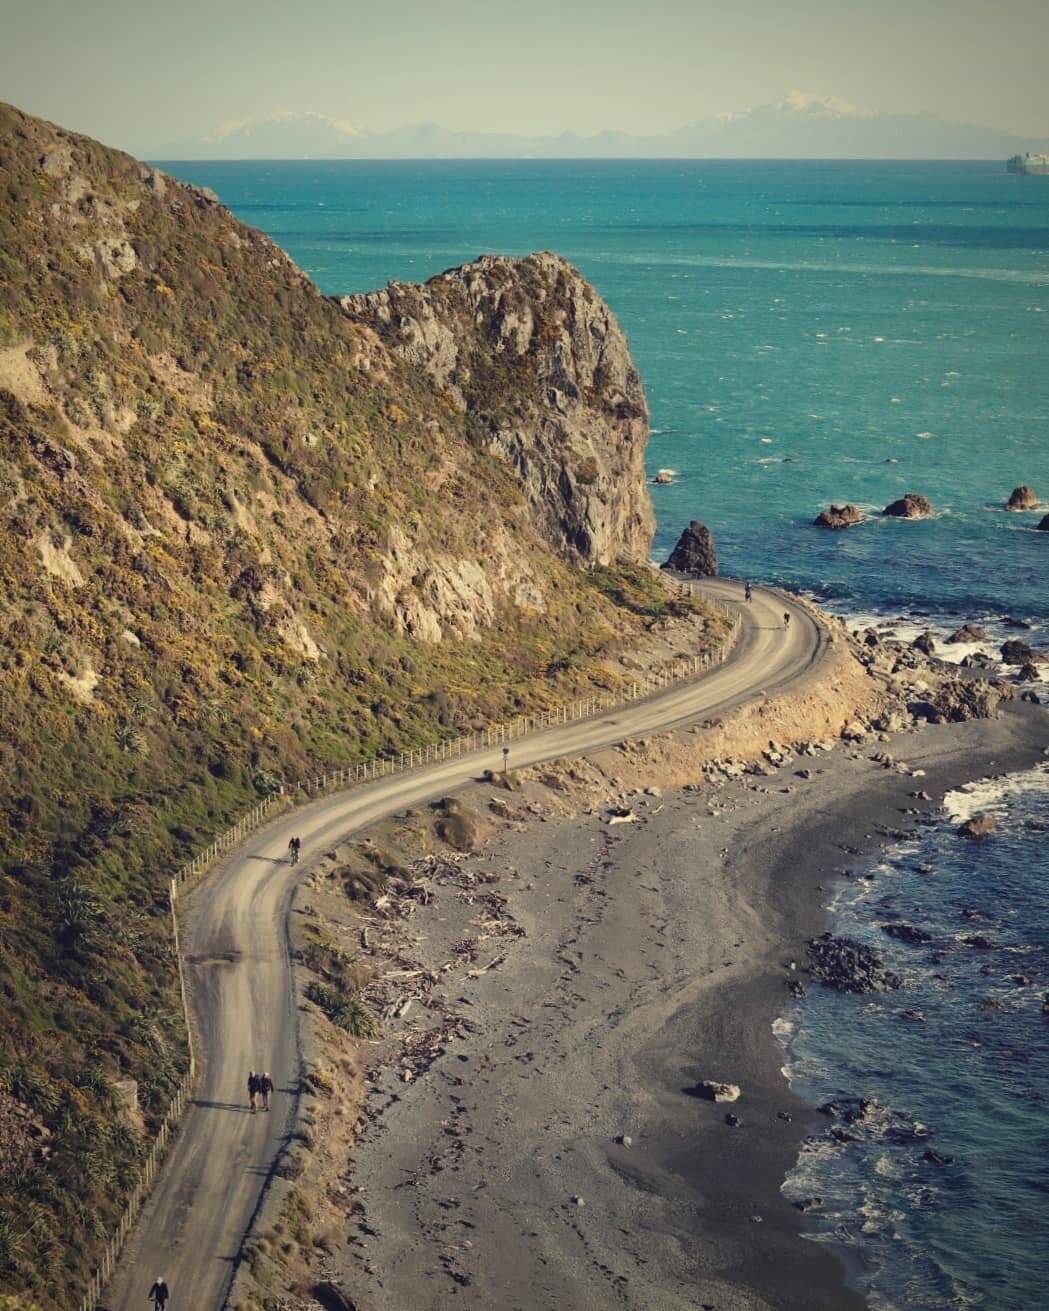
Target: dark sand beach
(631, 961)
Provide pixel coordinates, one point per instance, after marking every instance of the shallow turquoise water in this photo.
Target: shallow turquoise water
(810, 332)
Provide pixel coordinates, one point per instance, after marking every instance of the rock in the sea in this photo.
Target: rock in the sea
(838, 516)
(980, 826)
(907, 933)
(1022, 498)
(713, 1091)
(1028, 673)
(911, 506)
(1015, 652)
(969, 633)
(924, 642)
(1043, 527)
(694, 553)
(849, 966)
(936, 1158)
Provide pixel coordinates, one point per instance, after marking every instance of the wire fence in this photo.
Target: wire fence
(452, 748)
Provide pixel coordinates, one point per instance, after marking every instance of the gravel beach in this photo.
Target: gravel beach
(554, 1154)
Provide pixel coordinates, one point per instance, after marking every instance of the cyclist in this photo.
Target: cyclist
(746, 591)
(159, 1293)
(293, 846)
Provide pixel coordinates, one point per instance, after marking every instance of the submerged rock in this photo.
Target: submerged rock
(1022, 498)
(907, 933)
(910, 506)
(694, 552)
(838, 516)
(849, 966)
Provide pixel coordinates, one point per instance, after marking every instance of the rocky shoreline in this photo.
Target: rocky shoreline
(531, 1134)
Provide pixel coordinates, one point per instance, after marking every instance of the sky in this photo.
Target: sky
(139, 73)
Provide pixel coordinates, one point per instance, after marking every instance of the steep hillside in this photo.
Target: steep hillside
(244, 532)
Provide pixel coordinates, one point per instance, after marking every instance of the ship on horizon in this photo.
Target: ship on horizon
(1028, 163)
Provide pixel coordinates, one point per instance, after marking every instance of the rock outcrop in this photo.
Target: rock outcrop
(849, 966)
(968, 633)
(537, 363)
(694, 552)
(1015, 652)
(838, 516)
(1043, 526)
(911, 506)
(1022, 498)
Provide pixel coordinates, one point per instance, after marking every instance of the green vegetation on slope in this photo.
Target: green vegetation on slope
(230, 521)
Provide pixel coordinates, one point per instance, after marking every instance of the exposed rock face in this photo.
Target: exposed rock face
(1022, 498)
(911, 506)
(535, 359)
(838, 516)
(957, 700)
(694, 552)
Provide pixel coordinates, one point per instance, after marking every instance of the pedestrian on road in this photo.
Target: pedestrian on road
(253, 1089)
(159, 1293)
(746, 591)
(265, 1088)
(786, 619)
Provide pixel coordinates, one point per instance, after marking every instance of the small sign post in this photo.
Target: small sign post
(506, 752)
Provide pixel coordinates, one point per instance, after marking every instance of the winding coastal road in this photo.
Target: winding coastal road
(239, 968)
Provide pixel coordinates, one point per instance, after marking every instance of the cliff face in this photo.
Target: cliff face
(537, 363)
(244, 534)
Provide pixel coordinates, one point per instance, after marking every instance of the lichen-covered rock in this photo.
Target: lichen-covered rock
(1021, 498)
(910, 506)
(539, 365)
(837, 517)
(694, 552)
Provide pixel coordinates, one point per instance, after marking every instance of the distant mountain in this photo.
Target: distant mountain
(800, 126)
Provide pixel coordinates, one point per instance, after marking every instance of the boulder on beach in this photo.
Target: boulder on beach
(838, 516)
(1028, 673)
(910, 506)
(980, 826)
(957, 700)
(714, 1091)
(968, 633)
(1015, 652)
(694, 552)
(1022, 498)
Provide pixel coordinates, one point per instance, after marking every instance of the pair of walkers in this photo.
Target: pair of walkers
(259, 1088)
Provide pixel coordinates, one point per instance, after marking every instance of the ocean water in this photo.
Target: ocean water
(812, 332)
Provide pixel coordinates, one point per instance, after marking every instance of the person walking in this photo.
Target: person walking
(786, 619)
(159, 1293)
(265, 1088)
(746, 591)
(253, 1089)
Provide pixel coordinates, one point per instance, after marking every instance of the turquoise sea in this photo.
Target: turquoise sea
(809, 332)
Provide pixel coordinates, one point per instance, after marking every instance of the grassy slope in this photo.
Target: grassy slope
(201, 464)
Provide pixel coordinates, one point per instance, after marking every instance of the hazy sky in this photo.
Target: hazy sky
(139, 73)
